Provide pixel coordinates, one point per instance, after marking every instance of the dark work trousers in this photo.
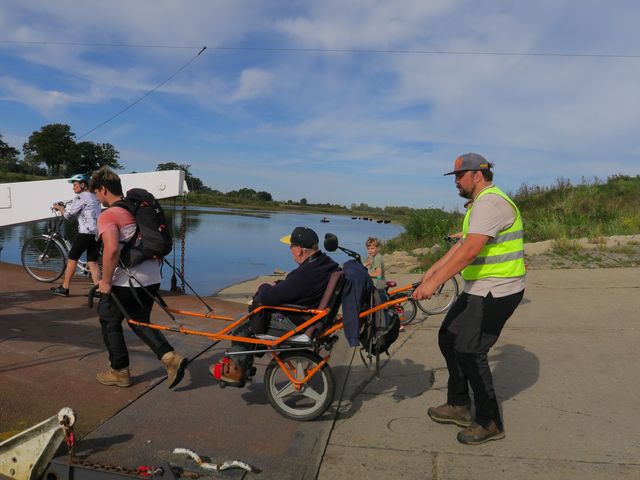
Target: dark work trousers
(469, 330)
(111, 318)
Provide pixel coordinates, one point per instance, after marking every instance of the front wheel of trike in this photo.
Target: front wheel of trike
(312, 398)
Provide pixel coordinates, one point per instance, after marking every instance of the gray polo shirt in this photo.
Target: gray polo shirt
(490, 215)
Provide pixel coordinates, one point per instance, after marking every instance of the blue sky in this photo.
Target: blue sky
(320, 115)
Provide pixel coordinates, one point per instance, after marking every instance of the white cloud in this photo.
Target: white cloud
(346, 115)
(42, 100)
(253, 83)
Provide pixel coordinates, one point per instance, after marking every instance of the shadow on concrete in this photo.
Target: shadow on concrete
(91, 446)
(401, 379)
(200, 377)
(515, 370)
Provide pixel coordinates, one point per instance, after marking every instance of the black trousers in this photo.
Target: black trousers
(469, 330)
(111, 318)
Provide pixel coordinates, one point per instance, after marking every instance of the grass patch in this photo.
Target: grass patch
(600, 242)
(566, 247)
(623, 249)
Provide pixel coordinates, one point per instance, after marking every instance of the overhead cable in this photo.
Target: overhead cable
(330, 50)
(146, 94)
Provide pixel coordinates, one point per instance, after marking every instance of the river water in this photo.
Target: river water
(224, 246)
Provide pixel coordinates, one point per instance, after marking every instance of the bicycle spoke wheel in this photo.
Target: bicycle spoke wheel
(407, 311)
(43, 259)
(313, 397)
(442, 299)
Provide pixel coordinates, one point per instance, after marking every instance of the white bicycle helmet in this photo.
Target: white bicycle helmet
(79, 177)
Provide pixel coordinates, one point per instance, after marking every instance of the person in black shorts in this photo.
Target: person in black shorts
(86, 208)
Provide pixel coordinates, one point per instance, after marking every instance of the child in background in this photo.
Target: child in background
(375, 263)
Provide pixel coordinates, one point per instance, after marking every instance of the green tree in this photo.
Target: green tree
(264, 196)
(53, 145)
(303, 201)
(8, 157)
(194, 183)
(90, 156)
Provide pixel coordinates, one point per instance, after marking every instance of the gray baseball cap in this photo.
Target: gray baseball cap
(470, 161)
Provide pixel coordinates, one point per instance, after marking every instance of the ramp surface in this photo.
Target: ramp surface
(51, 349)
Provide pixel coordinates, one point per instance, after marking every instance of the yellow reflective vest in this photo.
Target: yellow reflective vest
(502, 256)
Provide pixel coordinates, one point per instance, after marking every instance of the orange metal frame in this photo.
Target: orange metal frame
(316, 315)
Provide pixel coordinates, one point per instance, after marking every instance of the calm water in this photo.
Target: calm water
(223, 246)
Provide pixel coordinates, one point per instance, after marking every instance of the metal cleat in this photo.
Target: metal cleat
(25, 456)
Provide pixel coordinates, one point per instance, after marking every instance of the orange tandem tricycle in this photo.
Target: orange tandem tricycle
(298, 381)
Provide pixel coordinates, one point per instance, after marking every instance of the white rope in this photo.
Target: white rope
(213, 466)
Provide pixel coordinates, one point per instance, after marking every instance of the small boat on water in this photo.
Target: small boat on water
(324, 220)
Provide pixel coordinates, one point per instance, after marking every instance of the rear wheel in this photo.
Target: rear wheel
(406, 311)
(312, 399)
(44, 258)
(442, 299)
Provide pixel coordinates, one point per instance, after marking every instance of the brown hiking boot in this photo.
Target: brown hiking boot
(457, 414)
(175, 365)
(475, 434)
(116, 378)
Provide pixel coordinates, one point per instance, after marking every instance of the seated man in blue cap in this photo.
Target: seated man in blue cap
(303, 286)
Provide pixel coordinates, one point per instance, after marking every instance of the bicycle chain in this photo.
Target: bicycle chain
(141, 471)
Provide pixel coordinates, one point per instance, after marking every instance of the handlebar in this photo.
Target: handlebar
(451, 240)
(407, 288)
(60, 204)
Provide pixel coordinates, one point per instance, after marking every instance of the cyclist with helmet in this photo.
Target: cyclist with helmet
(86, 208)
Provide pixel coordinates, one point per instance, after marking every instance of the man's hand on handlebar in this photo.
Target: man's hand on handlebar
(425, 290)
(453, 238)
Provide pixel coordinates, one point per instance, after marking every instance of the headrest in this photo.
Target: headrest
(330, 242)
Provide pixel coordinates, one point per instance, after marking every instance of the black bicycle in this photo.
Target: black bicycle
(45, 256)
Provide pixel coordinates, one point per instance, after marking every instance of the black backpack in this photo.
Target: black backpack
(380, 329)
(152, 238)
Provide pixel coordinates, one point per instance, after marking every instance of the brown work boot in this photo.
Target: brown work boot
(175, 365)
(475, 434)
(457, 414)
(116, 378)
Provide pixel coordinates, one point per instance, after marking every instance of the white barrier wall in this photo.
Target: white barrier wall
(28, 201)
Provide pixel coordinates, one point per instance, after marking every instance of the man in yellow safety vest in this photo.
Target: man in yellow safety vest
(490, 258)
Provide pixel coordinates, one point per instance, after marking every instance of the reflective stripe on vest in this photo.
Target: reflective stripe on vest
(502, 256)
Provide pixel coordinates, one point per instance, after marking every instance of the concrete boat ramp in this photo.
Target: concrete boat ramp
(565, 371)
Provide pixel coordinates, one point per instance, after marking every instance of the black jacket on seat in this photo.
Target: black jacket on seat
(355, 294)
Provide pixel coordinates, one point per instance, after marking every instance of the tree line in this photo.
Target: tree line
(53, 151)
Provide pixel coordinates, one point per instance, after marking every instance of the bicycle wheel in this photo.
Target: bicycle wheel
(313, 398)
(442, 299)
(44, 258)
(406, 311)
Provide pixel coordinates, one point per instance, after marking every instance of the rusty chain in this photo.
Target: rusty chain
(142, 470)
(183, 235)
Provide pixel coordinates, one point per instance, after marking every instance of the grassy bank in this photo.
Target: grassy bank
(592, 210)
(560, 212)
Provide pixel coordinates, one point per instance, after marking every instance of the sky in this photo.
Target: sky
(333, 101)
